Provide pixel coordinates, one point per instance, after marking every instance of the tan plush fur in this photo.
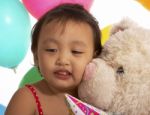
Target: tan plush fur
(121, 80)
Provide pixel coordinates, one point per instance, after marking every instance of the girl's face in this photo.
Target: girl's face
(63, 53)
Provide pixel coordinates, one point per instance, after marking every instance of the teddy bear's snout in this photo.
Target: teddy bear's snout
(89, 70)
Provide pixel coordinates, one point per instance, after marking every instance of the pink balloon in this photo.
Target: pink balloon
(38, 7)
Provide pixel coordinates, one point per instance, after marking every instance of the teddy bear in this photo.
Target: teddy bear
(118, 80)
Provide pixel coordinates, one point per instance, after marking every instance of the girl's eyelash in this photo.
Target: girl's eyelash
(77, 52)
(73, 51)
(51, 50)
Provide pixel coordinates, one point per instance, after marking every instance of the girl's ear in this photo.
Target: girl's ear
(96, 54)
(35, 59)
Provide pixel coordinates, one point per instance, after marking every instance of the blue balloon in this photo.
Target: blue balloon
(15, 29)
(2, 109)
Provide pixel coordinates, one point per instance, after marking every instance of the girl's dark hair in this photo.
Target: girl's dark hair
(64, 13)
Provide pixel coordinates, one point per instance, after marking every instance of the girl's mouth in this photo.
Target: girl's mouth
(62, 74)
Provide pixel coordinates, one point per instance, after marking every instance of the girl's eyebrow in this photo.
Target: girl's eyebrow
(79, 43)
(50, 40)
(76, 42)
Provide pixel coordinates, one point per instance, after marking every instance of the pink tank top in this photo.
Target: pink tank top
(33, 91)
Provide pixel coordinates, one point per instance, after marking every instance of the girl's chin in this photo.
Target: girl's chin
(66, 88)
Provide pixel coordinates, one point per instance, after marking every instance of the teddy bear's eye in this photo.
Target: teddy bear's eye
(120, 70)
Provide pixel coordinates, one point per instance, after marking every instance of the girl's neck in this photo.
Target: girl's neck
(73, 93)
(52, 91)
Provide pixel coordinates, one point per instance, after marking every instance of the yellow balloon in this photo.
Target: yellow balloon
(105, 34)
(145, 3)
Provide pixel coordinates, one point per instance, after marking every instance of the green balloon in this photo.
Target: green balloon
(30, 77)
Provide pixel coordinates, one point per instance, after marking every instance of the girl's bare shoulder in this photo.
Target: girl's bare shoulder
(21, 103)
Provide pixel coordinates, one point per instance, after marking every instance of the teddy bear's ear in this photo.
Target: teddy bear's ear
(124, 24)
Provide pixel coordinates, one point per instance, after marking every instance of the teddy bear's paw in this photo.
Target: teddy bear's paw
(114, 113)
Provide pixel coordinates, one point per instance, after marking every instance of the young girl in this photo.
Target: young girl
(64, 41)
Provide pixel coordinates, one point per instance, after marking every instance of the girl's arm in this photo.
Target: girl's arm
(22, 103)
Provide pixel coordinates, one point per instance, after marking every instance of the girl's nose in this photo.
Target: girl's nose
(62, 60)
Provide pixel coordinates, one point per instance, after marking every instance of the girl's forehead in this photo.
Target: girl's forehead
(71, 31)
(54, 26)
(61, 26)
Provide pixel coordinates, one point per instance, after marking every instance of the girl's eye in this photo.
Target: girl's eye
(76, 52)
(51, 50)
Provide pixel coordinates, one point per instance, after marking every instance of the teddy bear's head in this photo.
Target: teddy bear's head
(119, 79)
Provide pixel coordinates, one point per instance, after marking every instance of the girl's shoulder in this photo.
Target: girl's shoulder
(21, 103)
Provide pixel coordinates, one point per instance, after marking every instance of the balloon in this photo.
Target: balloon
(30, 77)
(2, 109)
(38, 7)
(14, 33)
(105, 34)
(145, 3)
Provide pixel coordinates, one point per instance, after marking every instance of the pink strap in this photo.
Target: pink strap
(31, 88)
